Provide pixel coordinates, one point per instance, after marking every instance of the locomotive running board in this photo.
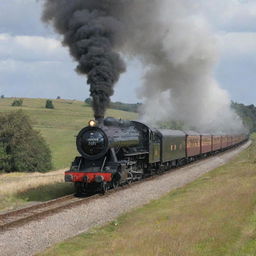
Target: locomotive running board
(136, 153)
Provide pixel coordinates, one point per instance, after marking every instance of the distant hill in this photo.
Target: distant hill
(120, 106)
(247, 113)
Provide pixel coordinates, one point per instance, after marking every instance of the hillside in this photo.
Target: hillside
(59, 126)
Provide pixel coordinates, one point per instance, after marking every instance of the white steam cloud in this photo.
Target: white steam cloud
(172, 40)
(179, 50)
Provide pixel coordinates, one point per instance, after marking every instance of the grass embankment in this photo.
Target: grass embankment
(59, 127)
(213, 216)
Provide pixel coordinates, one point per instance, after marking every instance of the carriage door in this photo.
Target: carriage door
(154, 148)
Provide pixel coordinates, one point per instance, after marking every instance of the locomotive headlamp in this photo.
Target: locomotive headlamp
(92, 123)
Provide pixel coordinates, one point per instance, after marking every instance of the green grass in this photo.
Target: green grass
(47, 192)
(213, 216)
(38, 194)
(59, 126)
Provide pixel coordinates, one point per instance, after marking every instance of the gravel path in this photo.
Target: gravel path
(36, 236)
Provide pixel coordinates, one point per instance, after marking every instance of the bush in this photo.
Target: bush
(22, 149)
(17, 103)
(49, 104)
(88, 101)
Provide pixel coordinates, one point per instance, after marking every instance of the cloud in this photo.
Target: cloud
(44, 79)
(236, 68)
(31, 48)
(231, 15)
(22, 17)
(37, 66)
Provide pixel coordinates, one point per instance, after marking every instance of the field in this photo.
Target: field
(59, 127)
(213, 216)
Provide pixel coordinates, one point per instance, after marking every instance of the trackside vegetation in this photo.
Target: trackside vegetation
(213, 216)
(22, 149)
(247, 114)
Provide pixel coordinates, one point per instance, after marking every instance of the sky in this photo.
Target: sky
(33, 63)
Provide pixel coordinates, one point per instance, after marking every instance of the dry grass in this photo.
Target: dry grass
(18, 189)
(15, 183)
(213, 216)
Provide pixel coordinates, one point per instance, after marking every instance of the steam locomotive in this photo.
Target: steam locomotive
(115, 152)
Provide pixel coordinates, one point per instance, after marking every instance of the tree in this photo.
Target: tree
(49, 104)
(22, 149)
(2, 96)
(17, 103)
(88, 101)
(58, 97)
(247, 114)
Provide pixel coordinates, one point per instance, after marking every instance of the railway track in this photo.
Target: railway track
(18, 217)
(24, 215)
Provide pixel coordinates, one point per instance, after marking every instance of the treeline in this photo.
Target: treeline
(120, 106)
(22, 149)
(247, 113)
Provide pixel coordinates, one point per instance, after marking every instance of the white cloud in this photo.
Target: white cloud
(32, 48)
(36, 66)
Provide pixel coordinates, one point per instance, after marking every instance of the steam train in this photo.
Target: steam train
(115, 152)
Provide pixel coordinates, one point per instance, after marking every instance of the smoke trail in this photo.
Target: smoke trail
(91, 33)
(172, 40)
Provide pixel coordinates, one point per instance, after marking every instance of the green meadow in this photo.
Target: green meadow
(59, 126)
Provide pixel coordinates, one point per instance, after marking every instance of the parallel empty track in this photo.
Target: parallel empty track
(21, 216)
(24, 215)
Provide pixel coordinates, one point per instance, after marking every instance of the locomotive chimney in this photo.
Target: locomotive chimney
(99, 119)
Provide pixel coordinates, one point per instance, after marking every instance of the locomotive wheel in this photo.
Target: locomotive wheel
(104, 187)
(115, 183)
(129, 178)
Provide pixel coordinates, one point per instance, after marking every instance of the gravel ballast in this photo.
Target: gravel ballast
(38, 235)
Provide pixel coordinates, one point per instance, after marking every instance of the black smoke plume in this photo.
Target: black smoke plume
(91, 33)
(173, 41)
